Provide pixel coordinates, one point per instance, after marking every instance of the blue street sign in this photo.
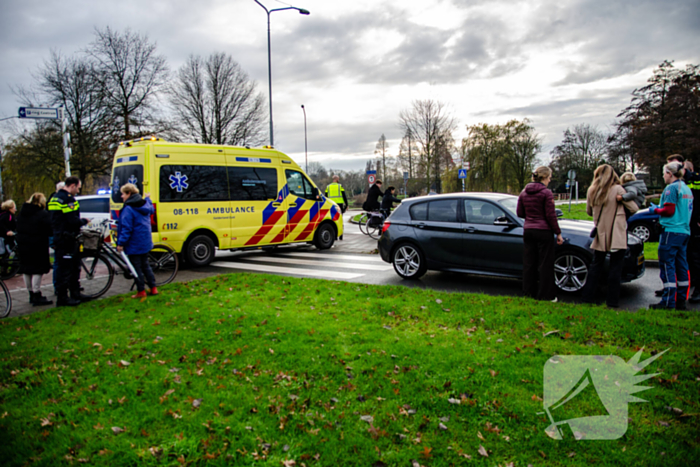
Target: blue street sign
(405, 177)
(38, 112)
(462, 173)
(371, 172)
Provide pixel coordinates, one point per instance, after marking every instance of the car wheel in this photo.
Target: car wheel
(570, 271)
(409, 262)
(325, 237)
(643, 231)
(199, 251)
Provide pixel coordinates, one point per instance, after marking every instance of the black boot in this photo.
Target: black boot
(65, 300)
(40, 300)
(32, 297)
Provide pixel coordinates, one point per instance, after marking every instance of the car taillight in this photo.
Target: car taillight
(385, 226)
(154, 219)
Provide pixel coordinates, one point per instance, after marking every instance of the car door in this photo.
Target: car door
(496, 248)
(302, 207)
(438, 229)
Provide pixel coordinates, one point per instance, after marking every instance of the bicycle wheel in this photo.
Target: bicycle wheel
(374, 227)
(362, 221)
(97, 275)
(5, 301)
(164, 263)
(9, 266)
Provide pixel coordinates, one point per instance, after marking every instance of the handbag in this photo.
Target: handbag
(594, 232)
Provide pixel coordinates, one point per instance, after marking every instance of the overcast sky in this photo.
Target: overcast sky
(355, 65)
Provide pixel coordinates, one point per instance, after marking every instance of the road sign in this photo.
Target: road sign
(39, 112)
(572, 174)
(466, 165)
(405, 177)
(371, 172)
(371, 178)
(462, 173)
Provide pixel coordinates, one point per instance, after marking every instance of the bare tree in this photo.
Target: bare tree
(431, 127)
(216, 102)
(130, 74)
(380, 149)
(408, 152)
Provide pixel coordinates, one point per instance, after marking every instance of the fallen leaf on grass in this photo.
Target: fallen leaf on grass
(480, 436)
(493, 373)
(367, 418)
(289, 463)
(425, 453)
(123, 363)
(454, 401)
(196, 403)
(117, 430)
(482, 451)
(550, 333)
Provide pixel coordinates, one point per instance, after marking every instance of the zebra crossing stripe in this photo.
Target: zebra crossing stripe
(323, 274)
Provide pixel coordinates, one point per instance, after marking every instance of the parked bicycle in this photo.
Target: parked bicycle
(9, 263)
(5, 300)
(100, 262)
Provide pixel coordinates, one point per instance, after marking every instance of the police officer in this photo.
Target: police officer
(336, 192)
(66, 223)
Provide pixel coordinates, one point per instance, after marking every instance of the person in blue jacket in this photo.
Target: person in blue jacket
(134, 236)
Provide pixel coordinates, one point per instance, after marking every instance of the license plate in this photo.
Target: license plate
(640, 260)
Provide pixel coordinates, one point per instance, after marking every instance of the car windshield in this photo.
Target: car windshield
(510, 204)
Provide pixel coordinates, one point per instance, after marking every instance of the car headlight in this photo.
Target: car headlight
(633, 239)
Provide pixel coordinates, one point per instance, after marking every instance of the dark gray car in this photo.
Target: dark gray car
(479, 233)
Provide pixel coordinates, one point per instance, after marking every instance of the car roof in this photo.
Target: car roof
(91, 196)
(468, 194)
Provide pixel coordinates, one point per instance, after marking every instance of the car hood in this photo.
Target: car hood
(575, 226)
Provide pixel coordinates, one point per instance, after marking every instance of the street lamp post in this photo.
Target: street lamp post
(269, 57)
(306, 148)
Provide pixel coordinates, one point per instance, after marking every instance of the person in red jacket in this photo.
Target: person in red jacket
(536, 206)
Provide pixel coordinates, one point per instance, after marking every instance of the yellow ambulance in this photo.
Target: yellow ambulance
(210, 197)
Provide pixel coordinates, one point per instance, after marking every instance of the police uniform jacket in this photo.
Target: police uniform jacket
(65, 218)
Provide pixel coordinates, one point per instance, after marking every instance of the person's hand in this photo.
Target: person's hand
(120, 248)
(147, 195)
(10, 234)
(619, 197)
(560, 240)
(652, 207)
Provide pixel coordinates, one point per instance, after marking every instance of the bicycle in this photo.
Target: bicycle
(100, 262)
(362, 221)
(374, 224)
(9, 263)
(5, 300)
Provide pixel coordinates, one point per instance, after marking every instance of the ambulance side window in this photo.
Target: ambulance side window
(252, 183)
(298, 185)
(193, 183)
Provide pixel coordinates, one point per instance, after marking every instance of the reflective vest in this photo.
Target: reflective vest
(335, 192)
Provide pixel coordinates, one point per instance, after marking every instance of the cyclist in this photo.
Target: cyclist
(336, 192)
(388, 201)
(66, 224)
(134, 236)
(372, 202)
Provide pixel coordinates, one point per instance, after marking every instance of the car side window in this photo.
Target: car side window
(444, 210)
(481, 212)
(95, 205)
(419, 212)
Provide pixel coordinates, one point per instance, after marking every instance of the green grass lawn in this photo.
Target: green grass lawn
(248, 369)
(578, 211)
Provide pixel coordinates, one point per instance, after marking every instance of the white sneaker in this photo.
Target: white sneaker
(556, 299)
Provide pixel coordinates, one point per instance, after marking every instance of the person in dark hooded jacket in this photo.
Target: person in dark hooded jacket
(134, 236)
(33, 232)
(536, 206)
(372, 201)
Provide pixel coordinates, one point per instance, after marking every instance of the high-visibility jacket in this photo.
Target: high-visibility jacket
(65, 216)
(336, 192)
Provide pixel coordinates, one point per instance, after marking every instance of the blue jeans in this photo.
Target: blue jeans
(673, 267)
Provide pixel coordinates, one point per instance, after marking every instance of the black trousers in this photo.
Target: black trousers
(617, 261)
(145, 273)
(67, 271)
(693, 255)
(538, 264)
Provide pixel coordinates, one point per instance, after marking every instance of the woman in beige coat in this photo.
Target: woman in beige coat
(611, 224)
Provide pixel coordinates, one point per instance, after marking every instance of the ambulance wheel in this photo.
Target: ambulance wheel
(199, 251)
(325, 237)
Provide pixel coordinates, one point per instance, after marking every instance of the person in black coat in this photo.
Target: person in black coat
(33, 232)
(372, 202)
(388, 201)
(8, 222)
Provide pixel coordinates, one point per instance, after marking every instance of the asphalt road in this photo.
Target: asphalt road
(353, 259)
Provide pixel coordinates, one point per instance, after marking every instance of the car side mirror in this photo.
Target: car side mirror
(503, 220)
(559, 212)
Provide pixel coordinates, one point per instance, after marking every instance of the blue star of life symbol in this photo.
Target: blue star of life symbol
(133, 179)
(179, 182)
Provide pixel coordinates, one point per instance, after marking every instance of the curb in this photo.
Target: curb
(652, 263)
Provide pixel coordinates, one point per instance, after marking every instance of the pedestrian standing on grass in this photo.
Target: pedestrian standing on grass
(33, 232)
(134, 236)
(611, 233)
(675, 211)
(536, 206)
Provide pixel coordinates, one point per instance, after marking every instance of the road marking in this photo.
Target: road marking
(369, 258)
(324, 264)
(324, 274)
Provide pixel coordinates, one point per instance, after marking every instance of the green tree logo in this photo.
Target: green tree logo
(590, 394)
